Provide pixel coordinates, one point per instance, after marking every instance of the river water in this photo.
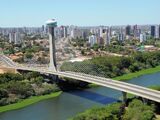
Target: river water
(69, 104)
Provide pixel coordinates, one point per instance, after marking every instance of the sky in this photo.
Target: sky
(34, 13)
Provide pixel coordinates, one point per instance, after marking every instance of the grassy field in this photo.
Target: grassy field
(27, 102)
(137, 74)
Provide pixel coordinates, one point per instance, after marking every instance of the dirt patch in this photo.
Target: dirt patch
(7, 70)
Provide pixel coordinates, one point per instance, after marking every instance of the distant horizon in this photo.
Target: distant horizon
(81, 26)
(34, 13)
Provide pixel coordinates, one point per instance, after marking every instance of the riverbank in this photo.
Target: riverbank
(27, 102)
(130, 76)
(137, 74)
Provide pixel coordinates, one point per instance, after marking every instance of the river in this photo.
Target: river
(69, 104)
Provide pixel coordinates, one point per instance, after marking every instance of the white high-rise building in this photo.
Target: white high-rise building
(143, 37)
(65, 32)
(11, 37)
(157, 32)
(108, 37)
(92, 40)
(15, 38)
(101, 32)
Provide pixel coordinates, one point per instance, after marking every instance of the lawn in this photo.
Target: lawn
(27, 102)
(137, 74)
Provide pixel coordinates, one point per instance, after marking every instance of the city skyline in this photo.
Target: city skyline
(81, 13)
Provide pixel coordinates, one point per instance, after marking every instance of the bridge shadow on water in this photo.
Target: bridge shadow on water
(95, 97)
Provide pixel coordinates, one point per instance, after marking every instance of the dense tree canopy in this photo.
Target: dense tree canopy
(14, 87)
(109, 112)
(113, 66)
(139, 111)
(116, 111)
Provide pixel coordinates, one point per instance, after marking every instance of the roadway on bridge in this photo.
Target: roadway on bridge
(106, 82)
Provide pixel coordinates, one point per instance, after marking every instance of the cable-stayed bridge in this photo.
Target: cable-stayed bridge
(106, 82)
(79, 75)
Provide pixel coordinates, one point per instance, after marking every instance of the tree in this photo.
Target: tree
(42, 60)
(95, 47)
(31, 75)
(24, 89)
(109, 112)
(7, 77)
(83, 52)
(3, 93)
(29, 55)
(139, 111)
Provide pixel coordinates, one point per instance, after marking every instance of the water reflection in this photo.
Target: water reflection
(93, 96)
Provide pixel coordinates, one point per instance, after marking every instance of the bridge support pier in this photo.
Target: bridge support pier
(54, 78)
(124, 99)
(144, 100)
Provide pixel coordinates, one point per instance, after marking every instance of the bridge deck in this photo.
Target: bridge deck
(117, 85)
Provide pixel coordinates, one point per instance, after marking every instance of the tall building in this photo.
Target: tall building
(104, 36)
(136, 32)
(157, 32)
(135, 29)
(63, 31)
(128, 30)
(101, 31)
(153, 28)
(11, 37)
(108, 37)
(14, 37)
(100, 41)
(110, 31)
(92, 40)
(17, 38)
(43, 28)
(121, 37)
(75, 33)
(143, 37)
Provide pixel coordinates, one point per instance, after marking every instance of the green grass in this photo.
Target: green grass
(91, 85)
(27, 102)
(137, 74)
(155, 87)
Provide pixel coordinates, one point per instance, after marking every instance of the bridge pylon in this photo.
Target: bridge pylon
(51, 24)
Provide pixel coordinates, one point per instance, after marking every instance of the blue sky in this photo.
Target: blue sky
(16, 13)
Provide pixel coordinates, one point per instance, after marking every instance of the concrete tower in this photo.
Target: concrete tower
(51, 24)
